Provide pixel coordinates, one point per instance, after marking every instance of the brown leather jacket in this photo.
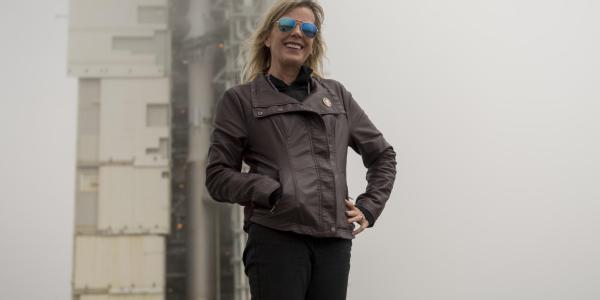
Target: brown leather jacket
(300, 147)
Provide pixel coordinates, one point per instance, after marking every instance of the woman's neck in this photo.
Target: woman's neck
(287, 75)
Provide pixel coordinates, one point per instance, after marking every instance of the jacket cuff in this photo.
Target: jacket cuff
(367, 214)
(264, 190)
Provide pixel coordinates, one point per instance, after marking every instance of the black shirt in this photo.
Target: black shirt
(299, 89)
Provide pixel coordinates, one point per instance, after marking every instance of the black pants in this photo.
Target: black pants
(289, 266)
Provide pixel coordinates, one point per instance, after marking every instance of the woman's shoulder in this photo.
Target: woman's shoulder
(329, 82)
(335, 86)
(242, 87)
(241, 92)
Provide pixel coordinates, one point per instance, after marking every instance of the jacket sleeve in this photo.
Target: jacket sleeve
(224, 180)
(378, 157)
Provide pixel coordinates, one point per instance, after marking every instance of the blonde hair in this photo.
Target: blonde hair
(258, 56)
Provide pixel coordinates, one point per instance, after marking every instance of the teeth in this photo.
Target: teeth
(295, 46)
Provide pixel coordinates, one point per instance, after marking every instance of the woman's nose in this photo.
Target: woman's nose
(297, 30)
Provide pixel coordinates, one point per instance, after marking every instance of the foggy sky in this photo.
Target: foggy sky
(491, 106)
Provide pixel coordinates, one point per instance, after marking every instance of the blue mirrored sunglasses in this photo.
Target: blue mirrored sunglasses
(287, 24)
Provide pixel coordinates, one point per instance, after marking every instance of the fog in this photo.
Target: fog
(37, 161)
(491, 107)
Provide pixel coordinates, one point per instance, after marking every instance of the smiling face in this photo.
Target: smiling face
(289, 50)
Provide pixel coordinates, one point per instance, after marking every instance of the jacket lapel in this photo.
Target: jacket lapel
(266, 100)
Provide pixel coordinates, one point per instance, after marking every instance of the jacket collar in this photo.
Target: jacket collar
(265, 96)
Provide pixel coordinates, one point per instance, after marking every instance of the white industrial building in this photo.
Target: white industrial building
(149, 73)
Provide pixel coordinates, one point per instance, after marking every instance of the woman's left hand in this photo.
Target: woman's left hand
(355, 215)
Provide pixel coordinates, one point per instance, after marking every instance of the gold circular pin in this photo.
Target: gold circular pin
(327, 102)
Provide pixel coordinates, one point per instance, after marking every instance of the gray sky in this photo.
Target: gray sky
(492, 107)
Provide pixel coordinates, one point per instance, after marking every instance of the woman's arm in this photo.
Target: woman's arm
(224, 181)
(378, 157)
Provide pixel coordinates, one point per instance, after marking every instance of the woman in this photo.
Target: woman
(293, 128)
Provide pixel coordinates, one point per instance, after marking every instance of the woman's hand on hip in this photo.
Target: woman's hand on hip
(355, 215)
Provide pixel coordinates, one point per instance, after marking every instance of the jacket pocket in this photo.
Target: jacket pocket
(273, 208)
(270, 173)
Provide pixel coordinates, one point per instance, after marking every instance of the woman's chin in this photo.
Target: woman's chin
(293, 63)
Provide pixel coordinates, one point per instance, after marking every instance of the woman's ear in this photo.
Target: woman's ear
(268, 43)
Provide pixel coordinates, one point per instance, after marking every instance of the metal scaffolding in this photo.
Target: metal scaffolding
(224, 44)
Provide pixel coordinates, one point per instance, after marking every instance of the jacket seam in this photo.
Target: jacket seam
(332, 158)
(316, 166)
(288, 158)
